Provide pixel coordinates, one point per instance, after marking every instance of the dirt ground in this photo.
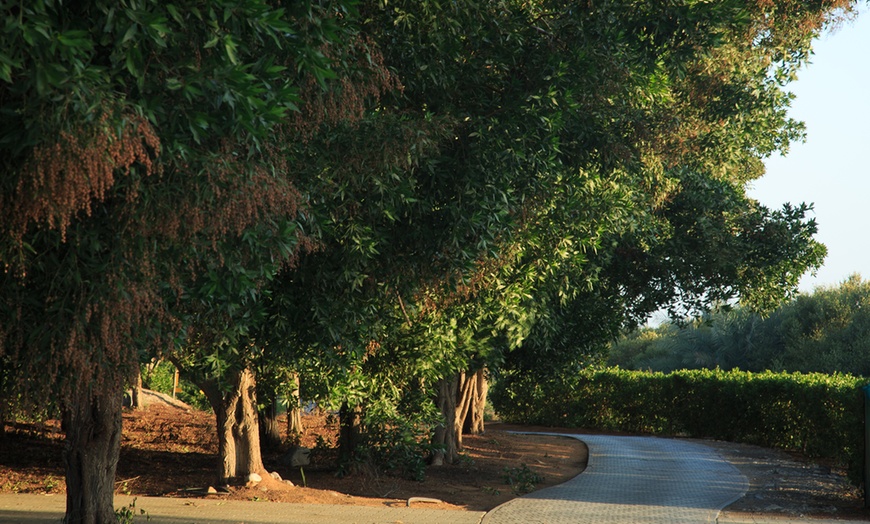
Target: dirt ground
(788, 483)
(171, 451)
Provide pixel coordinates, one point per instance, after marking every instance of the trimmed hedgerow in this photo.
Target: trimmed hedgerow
(818, 414)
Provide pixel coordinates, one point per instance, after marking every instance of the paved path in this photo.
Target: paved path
(637, 480)
(33, 509)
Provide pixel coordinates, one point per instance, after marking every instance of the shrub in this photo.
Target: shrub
(395, 439)
(522, 480)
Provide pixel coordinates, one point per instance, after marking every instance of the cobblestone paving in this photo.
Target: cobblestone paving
(634, 479)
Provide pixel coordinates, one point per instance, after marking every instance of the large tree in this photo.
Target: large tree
(579, 149)
(225, 309)
(594, 145)
(711, 112)
(137, 152)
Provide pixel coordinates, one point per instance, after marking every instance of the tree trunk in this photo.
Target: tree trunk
(446, 435)
(295, 430)
(92, 423)
(461, 399)
(349, 434)
(238, 431)
(270, 430)
(135, 400)
(474, 423)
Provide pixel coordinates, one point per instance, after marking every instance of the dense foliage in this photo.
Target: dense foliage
(820, 415)
(142, 188)
(381, 197)
(827, 331)
(140, 166)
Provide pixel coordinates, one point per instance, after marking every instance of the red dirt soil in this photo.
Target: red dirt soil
(169, 451)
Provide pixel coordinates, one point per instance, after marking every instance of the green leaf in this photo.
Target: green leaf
(76, 38)
(133, 62)
(173, 12)
(230, 48)
(159, 25)
(130, 34)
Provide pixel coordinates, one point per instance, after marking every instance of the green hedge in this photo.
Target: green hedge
(820, 415)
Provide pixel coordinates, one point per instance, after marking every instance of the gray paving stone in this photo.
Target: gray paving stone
(33, 509)
(637, 480)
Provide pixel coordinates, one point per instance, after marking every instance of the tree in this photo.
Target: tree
(825, 331)
(226, 308)
(607, 134)
(135, 151)
(601, 133)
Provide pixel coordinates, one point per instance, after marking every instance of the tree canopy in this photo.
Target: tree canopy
(140, 161)
(383, 194)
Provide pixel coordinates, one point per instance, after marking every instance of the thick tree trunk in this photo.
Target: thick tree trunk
(92, 423)
(295, 430)
(464, 400)
(238, 431)
(474, 423)
(461, 399)
(270, 430)
(447, 435)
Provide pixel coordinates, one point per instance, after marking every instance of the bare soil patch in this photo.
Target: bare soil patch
(171, 451)
(790, 484)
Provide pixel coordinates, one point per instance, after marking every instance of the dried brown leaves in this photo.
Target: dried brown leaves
(65, 177)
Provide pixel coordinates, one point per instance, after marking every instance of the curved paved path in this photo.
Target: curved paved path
(633, 479)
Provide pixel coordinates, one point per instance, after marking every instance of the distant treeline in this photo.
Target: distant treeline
(827, 331)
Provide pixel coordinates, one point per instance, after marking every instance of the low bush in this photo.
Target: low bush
(820, 415)
(522, 480)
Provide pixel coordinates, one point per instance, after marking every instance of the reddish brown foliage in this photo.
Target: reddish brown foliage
(366, 79)
(67, 176)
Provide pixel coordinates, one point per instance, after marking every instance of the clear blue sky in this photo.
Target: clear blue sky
(832, 168)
